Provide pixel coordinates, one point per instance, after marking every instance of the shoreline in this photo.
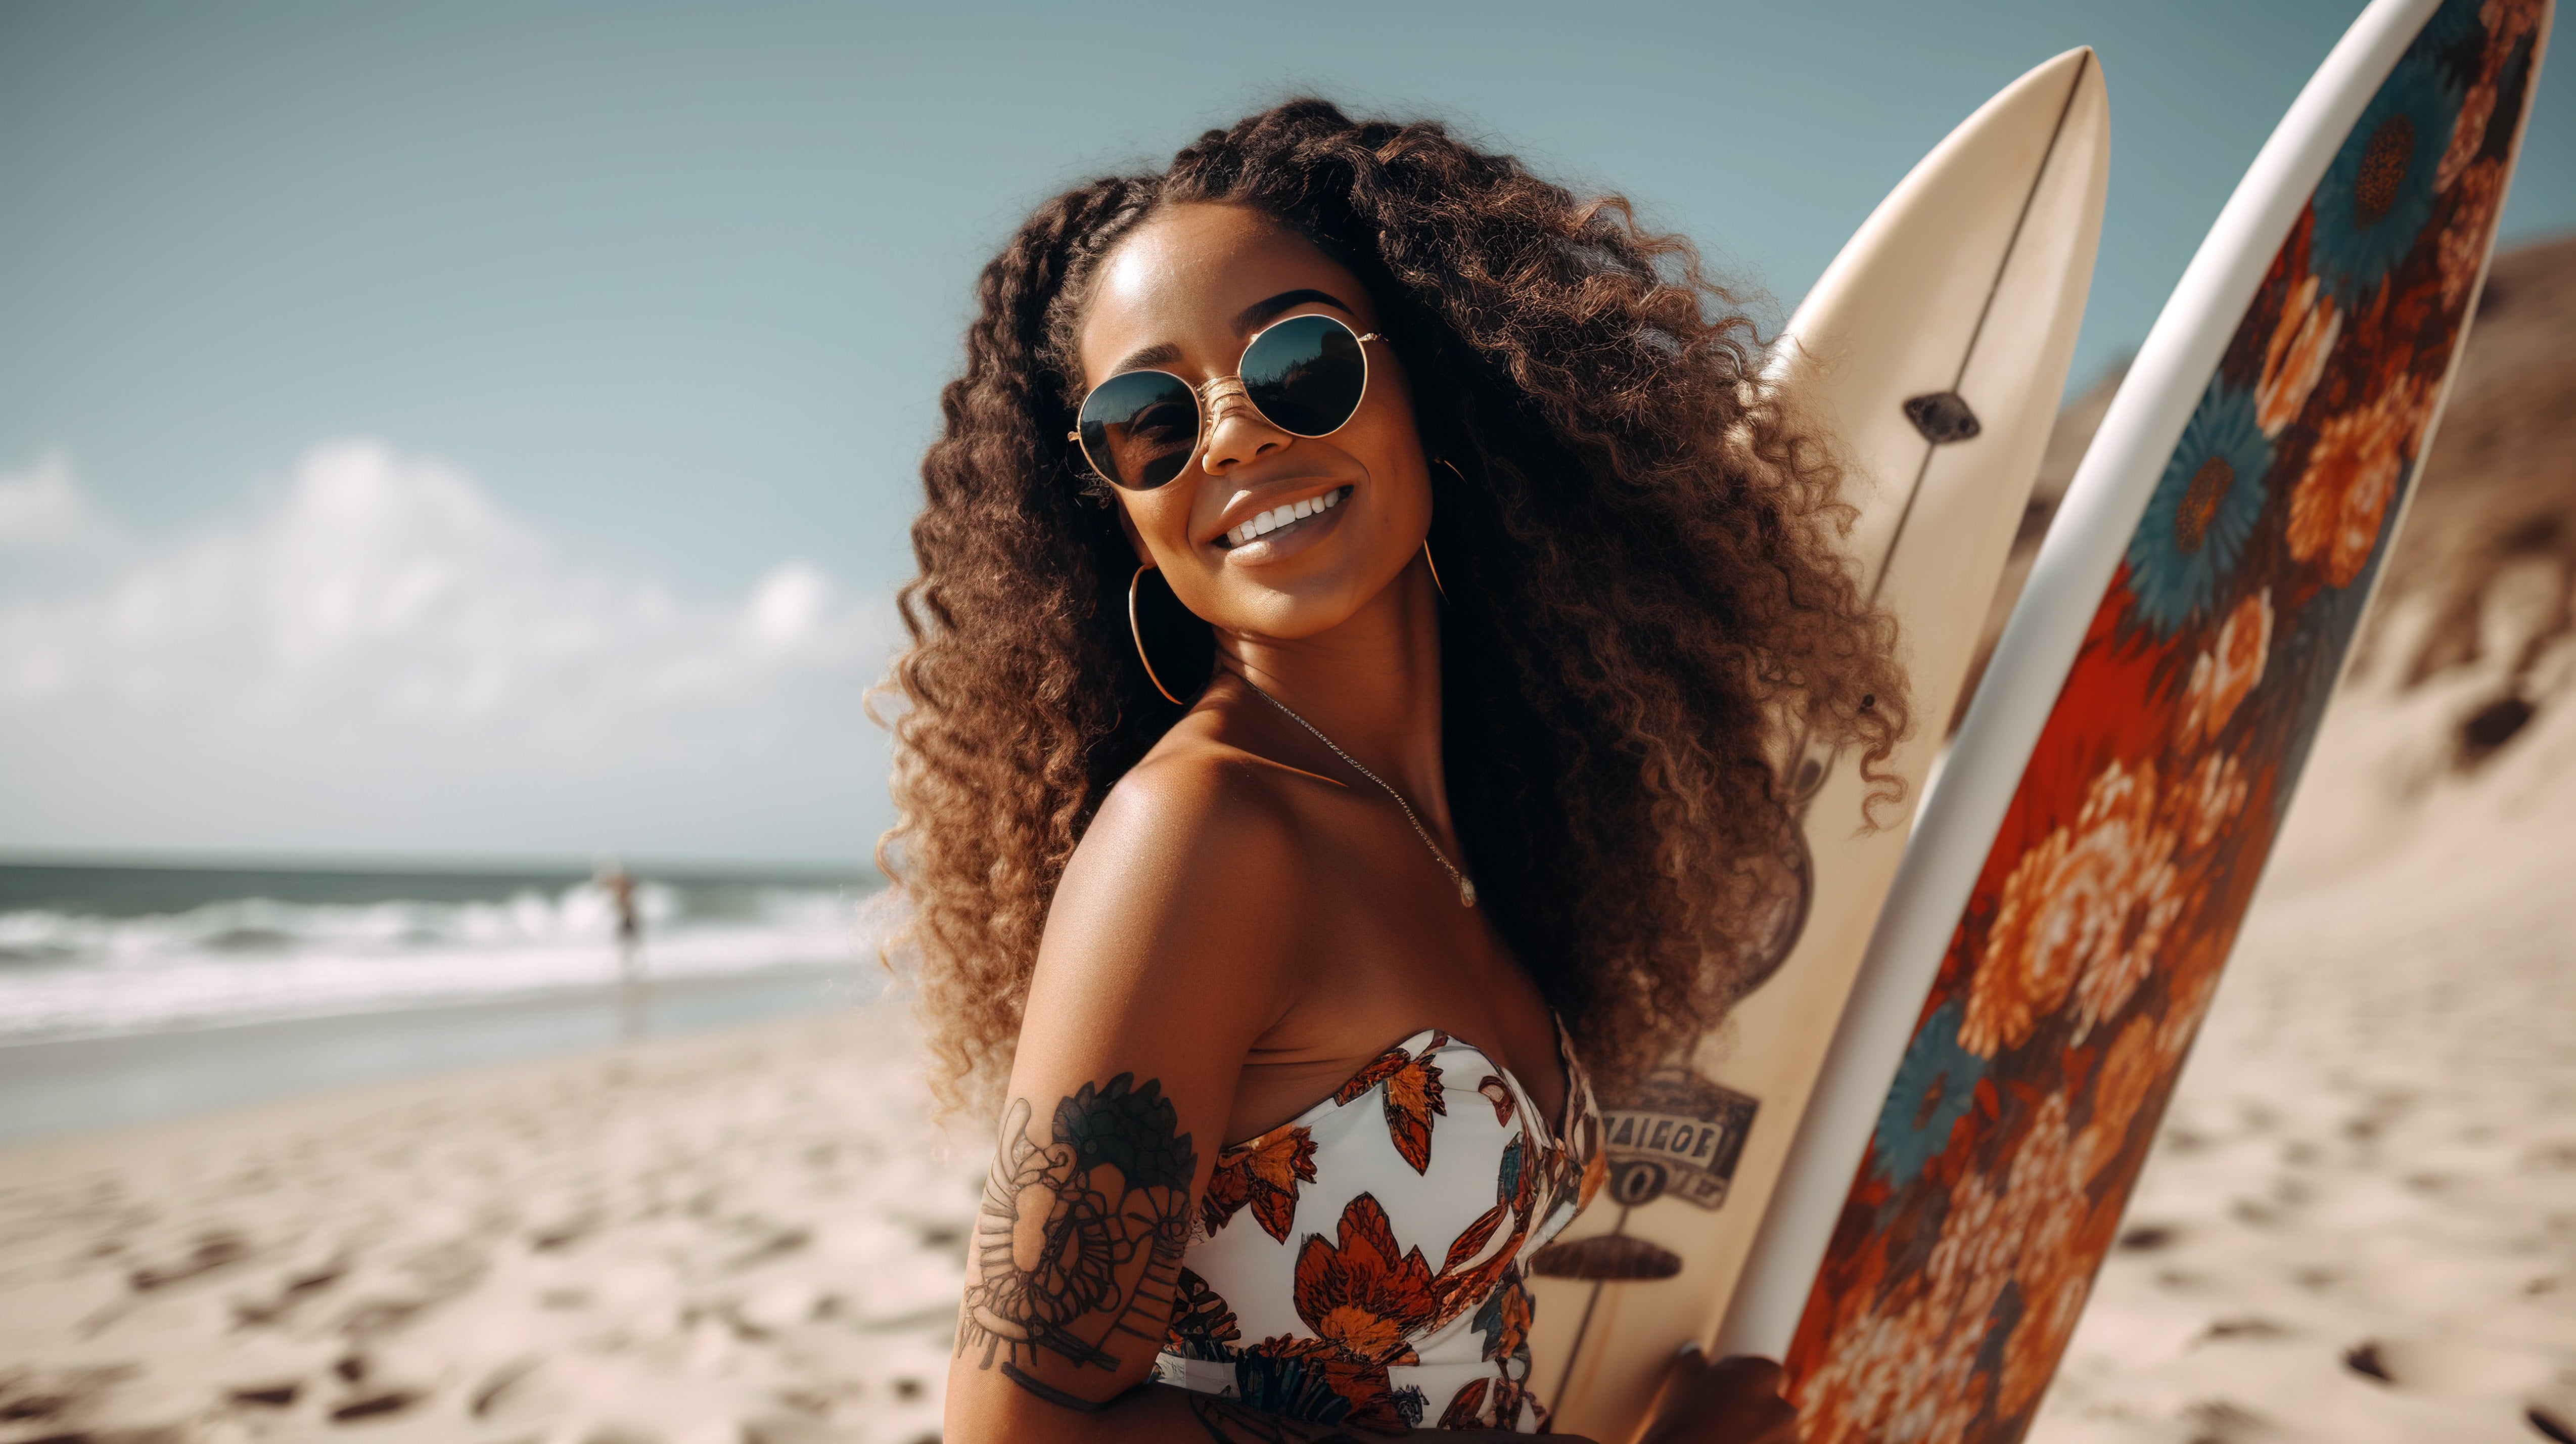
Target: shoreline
(54, 1088)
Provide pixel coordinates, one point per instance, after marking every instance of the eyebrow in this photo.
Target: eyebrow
(1152, 358)
(1250, 317)
(1261, 311)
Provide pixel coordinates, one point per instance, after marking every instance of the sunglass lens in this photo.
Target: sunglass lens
(1139, 428)
(1306, 374)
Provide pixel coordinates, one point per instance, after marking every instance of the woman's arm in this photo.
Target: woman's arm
(1077, 1244)
(1165, 959)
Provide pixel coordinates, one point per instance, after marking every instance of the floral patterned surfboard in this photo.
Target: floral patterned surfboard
(2080, 968)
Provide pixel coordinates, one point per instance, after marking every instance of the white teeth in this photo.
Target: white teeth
(1264, 523)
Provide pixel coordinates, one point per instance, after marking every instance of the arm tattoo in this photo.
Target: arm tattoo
(1227, 1422)
(1079, 1237)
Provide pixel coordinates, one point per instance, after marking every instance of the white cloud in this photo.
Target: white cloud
(382, 657)
(44, 508)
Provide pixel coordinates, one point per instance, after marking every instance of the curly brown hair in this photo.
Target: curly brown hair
(1649, 612)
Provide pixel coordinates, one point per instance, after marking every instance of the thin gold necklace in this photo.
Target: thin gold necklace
(1466, 889)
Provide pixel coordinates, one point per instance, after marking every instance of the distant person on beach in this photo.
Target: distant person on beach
(619, 884)
(1278, 895)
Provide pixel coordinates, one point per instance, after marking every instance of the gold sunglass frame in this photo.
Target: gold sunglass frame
(1199, 402)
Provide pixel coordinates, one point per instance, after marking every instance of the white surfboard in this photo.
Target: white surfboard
(1934, 352)
(1985, 769)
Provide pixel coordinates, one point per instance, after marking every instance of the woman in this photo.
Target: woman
(1363, 600)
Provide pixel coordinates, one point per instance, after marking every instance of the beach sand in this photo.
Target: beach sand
(752, 1236)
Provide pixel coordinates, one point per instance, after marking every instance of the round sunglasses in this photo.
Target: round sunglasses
(1306, 376)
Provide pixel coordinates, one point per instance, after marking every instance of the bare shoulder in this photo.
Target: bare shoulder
(1197, 857)
(1198, 789)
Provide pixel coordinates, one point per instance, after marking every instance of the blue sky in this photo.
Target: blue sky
(670, 290)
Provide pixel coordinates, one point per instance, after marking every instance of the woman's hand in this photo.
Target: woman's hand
(1731, 1401)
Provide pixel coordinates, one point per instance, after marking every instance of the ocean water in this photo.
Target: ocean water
(87, 951)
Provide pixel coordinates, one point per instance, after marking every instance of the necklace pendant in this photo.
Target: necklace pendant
(1466, 893)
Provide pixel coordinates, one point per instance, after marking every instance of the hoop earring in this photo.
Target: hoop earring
(1426, 541)
(1138, 633)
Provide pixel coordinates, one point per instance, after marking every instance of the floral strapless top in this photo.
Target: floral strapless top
(1361, 1263)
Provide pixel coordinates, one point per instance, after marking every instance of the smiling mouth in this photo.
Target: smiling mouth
(1281, 518)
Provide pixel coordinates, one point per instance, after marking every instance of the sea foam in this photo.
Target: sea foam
(70, 970)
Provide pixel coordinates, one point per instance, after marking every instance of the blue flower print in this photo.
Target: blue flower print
(2455, 38)
(2378, 193)
(2202, 511)
(1935, 1086)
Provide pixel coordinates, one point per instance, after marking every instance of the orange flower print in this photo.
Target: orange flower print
(2186, 1001)
(2506, 21)
(1360, 1293)
(1596, 1167)
(2050, 1309)
(1505, 1320)
(1972, 1259)
(2090, 904)
(1467, 1407)
(2106, 987)
(2209, 799)
(2046, 1212)
(1263, 1173)
(1495, 1403)
(1469, 1247)
(1476, 1260)
(1498, 1093)
(2464, 240)
(2468, 135)
(2044, 1199)
(2224, 674)
(1413, 1094)
(1895, 1373)
(2351, 476)
(2127, 1072)
(2305, 337)
(1902, 1370)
